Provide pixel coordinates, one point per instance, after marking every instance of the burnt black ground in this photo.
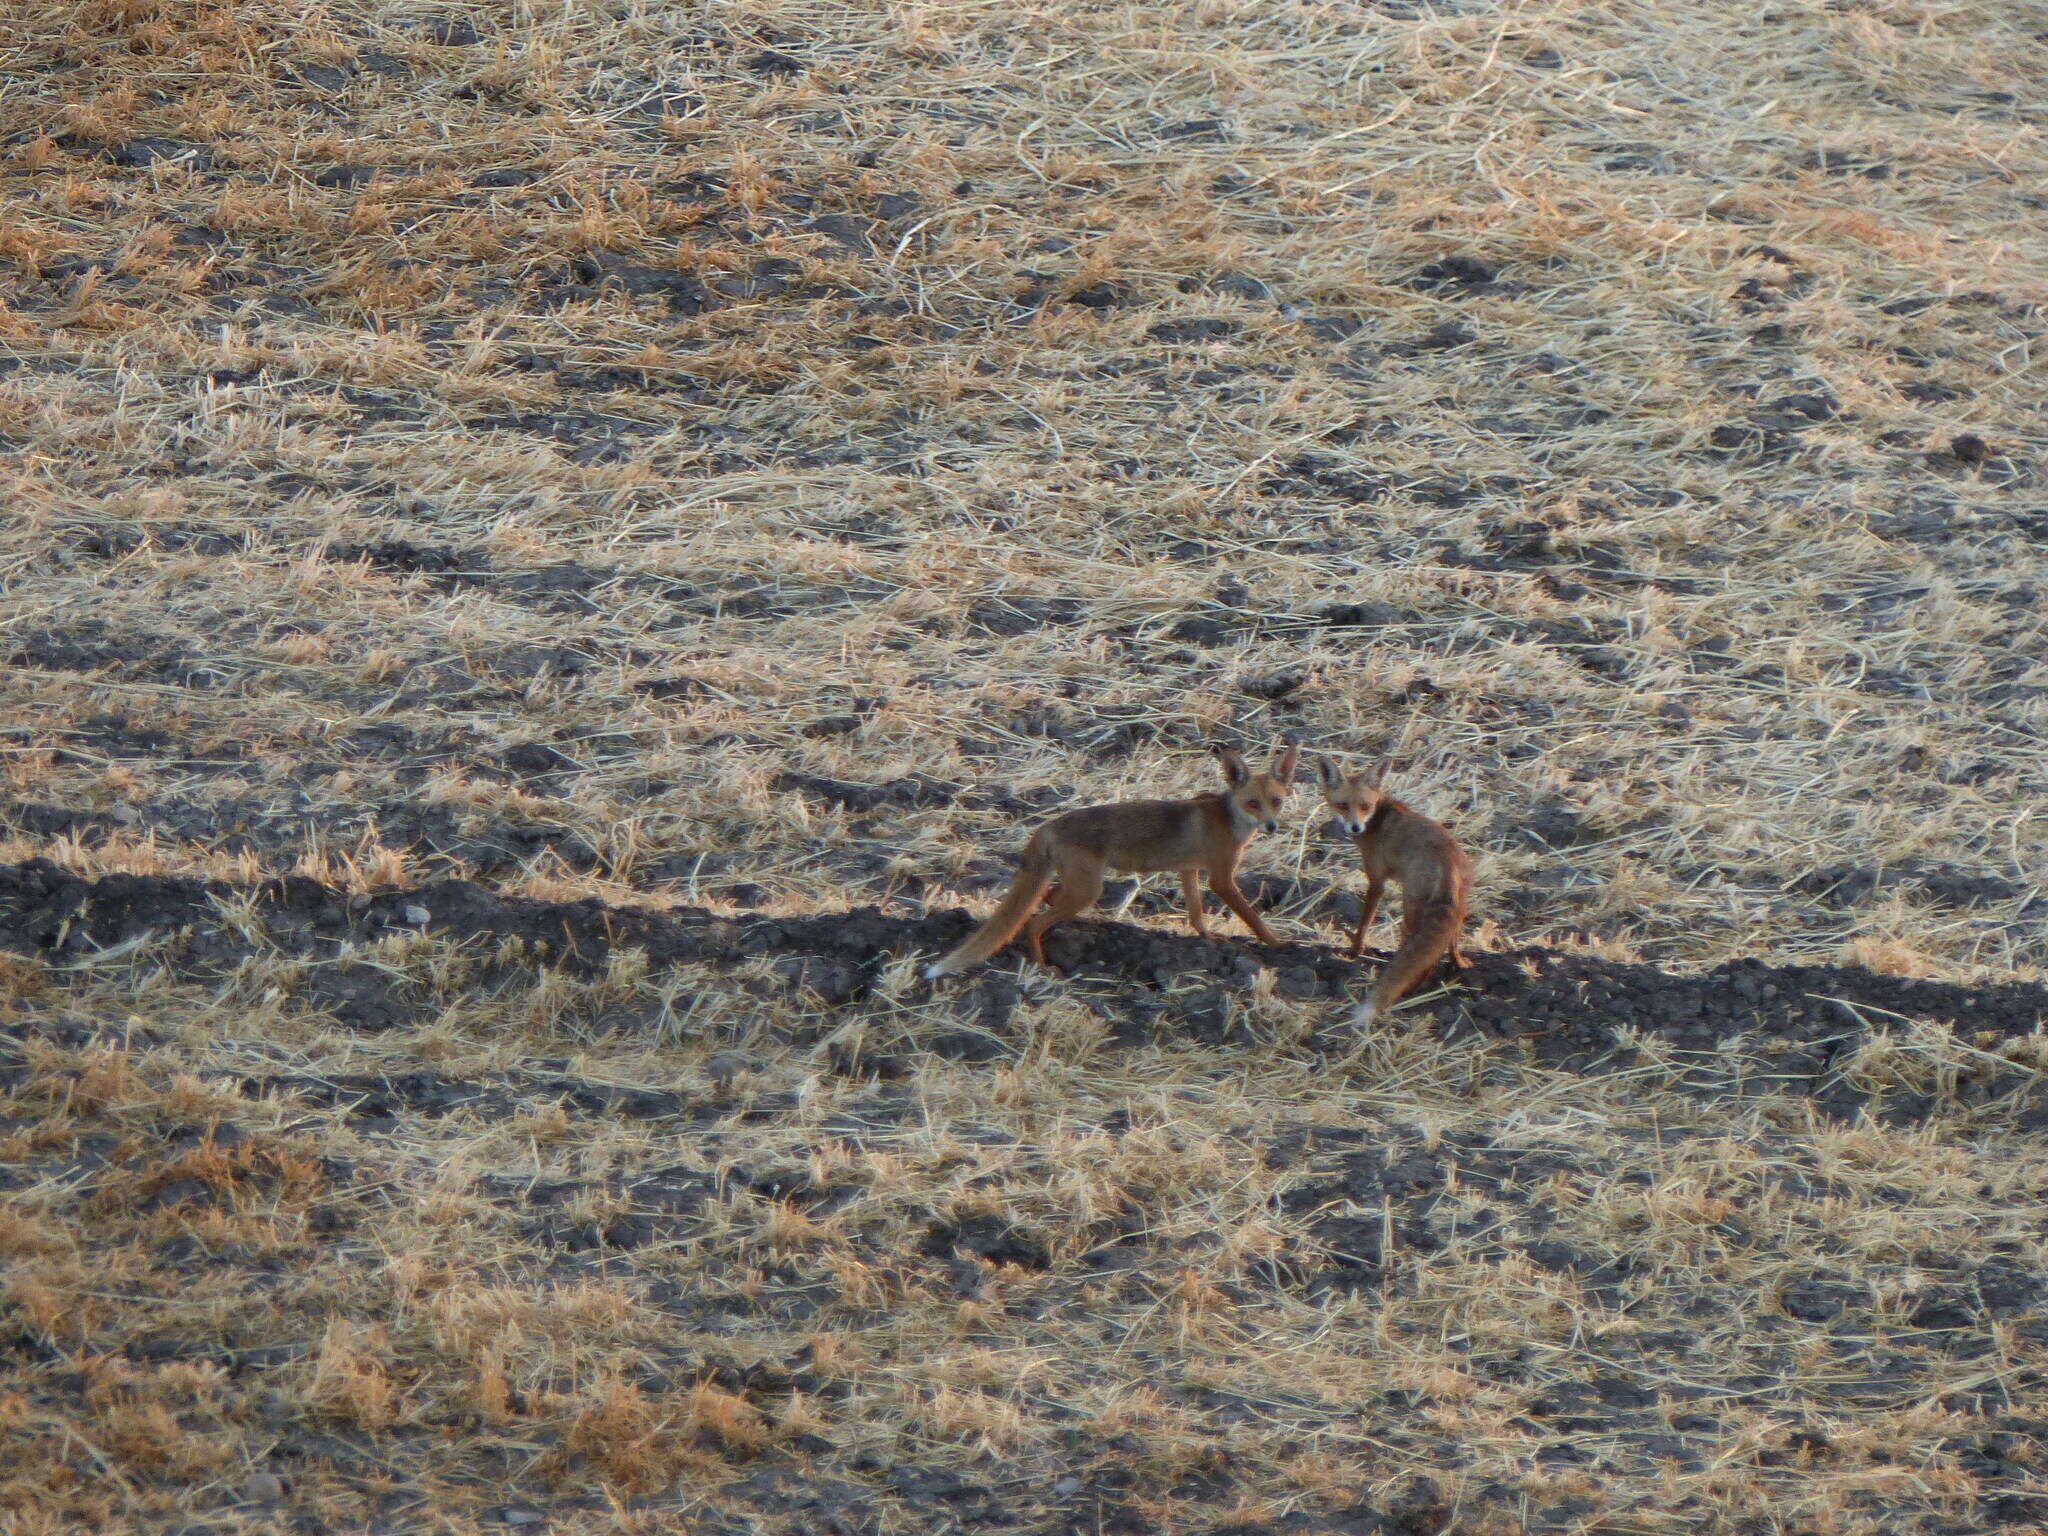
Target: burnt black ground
(1743, 1028)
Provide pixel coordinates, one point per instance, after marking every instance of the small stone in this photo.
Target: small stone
(455, 32)
(179, 1192)
(1066, 1487)
(1187, 332)
(417, 915)
(264, 1488)
(1444, 336)
(1361, 615)
(1275, 686)
(536, 757)
(726, 1067)
(1455, 271)
(1199, 629)
(832, 725)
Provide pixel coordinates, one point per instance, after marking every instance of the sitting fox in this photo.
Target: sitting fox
(1419, 855)
(1070, 855)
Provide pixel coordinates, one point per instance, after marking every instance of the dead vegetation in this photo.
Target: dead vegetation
(758, 460)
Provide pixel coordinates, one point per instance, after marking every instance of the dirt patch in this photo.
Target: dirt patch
(1742, 1030)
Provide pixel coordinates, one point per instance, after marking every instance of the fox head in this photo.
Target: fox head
(1256, 798)
(1354, 797)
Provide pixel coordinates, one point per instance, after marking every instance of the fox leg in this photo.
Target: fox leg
(1191, 887)
(1373, 888)
(1079, 885)
(1028, 934)
(1224, 883)
(1456, 953)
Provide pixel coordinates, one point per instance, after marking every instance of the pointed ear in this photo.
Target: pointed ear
(1379, 774)
(1283, 765)
(1326, 773)
(1235, 774)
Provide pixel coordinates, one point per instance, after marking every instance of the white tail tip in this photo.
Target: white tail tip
(1364, 1014)
(935, 970)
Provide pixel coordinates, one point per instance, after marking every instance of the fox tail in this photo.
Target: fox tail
(1424, 946)
(1034, 878)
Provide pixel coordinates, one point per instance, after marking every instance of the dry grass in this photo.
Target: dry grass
(1167, 1288)
(516, 455)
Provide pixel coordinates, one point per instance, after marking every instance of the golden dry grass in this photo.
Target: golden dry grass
(516, 455)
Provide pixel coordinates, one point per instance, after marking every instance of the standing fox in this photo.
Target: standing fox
(1070, 855)
(1419, 855)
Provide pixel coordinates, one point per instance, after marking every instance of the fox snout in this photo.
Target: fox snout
(1272, 824)
(1352, 826)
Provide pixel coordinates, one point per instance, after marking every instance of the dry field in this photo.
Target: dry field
(551, 552)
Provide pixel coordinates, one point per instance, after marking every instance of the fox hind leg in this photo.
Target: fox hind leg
(1078, 888)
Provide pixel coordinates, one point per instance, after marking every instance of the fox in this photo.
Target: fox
(1066, 859)
(1398, 843)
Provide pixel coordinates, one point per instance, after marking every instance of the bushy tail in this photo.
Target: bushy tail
(1434, 933)
(1034, 877)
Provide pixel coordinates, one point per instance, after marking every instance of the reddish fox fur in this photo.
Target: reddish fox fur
(1398, 843)
(1069, 856)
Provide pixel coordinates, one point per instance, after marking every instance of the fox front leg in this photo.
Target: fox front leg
(1191, 887)
(1373, 888)
(1225, 887)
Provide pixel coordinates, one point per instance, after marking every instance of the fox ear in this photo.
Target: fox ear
(1283, 765)
(1379, 774)
(1326, 773)
(1234, 771)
